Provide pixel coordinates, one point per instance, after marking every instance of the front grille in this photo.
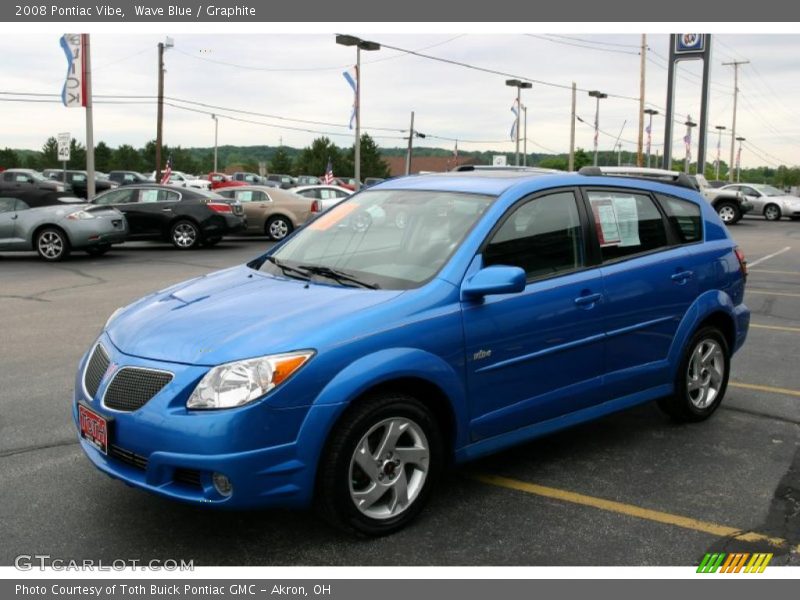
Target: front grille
(95, 369)
(133, 387)
(188, 477)
(129, 458)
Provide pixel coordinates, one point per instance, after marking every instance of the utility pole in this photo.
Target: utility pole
(650, 112)
(688, 141)
(720, 129)
(410, 144)
(735, 64)
(571, 164)
(639, 155)
(525, 140)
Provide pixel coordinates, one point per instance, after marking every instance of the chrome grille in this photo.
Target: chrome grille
(133, 387)
(95, 369)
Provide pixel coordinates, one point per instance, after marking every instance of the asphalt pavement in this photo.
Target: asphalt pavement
(631, 489)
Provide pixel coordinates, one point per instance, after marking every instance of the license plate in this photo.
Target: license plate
(94, 428)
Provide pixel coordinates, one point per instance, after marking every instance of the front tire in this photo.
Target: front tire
(729, 213)
(702, 378)
(185, 235)
(379, 467)
(52, 244)
(772, 212)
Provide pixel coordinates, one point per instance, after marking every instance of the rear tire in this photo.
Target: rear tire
(702, 378)
(185, 235)
(52, 244)
(379, 465)
(772, 212)
(278, 227)
(729, 213)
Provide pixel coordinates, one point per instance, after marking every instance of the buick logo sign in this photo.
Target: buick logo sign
(686, 43)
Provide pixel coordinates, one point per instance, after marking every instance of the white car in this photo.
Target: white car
(182, 179)
(325, 196)
(767, 200)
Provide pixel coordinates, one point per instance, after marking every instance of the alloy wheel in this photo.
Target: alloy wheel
(184, 235)
(705, 373)
(727, 214)
(278, 229)
(51, 245)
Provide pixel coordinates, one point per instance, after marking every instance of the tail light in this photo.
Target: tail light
(220, 207)
(742, 261)
(316, 206)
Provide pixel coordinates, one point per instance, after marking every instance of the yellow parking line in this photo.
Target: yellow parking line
(757, 270)
(632, 510)
(776, 328)
(764, 388)
(771, 293)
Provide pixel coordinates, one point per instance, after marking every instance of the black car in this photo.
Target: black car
(184, 216)
(284, 181)
(127, 177)
(16, 181)
(79, 180)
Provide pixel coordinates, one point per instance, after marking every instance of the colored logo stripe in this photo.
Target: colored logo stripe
(734, 563)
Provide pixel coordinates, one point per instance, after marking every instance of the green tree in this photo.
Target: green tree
(77, 155)
(126, 158)
(313, 159)
(50, 152)
(102, 157)
(280, 163)
(582, 158)
(554, 162)
(372, 165)
(9, 159)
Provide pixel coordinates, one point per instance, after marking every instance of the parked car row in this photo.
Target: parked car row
(54, 222)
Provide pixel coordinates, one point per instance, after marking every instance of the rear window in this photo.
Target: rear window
(684, 216)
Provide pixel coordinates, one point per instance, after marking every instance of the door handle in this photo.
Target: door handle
(588, 301)
(682, 276)
(166, 210)
(15, 217)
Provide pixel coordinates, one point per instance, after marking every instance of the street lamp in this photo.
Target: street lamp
(165, 45)
(720, 129)
(688, 141)
(598, 95)
(351, 40)
(520, 85)
(650, 112)
(216, 130)
(739, 158)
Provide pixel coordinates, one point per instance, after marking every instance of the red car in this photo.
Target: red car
(220, 180)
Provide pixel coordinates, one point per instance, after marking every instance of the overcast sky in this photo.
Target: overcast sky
(300, 77)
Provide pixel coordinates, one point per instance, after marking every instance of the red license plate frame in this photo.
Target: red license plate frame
(94, 428)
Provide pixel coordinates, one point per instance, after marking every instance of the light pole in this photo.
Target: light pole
(688, 141)
(520, 85)
(216, 131)
(720, 129)
(351, 40)
(650, 112)
(165, 45)
(739, 159)
(619, 154)
(525, 137)
(598, 95)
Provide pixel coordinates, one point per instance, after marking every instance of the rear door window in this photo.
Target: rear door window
(626, 223)
(684, 217)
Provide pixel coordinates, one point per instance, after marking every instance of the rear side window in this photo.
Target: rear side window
(543, 237)
(626, 224)
(684, 216)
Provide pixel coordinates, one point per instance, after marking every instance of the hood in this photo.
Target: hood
(234, 314)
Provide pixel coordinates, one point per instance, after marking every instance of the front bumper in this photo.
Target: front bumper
(269, 454)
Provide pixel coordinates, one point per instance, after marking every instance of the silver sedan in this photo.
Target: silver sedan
(54, 227)
(768, 201)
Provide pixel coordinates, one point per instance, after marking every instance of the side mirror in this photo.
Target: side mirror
(494, 280)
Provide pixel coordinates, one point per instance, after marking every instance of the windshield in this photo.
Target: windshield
(390, 239)
(768, 190)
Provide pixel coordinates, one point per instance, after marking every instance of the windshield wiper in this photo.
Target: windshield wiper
(287, 270)
(339, 276)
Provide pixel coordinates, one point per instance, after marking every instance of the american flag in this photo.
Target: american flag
(649, 138)
(687, 139)
(351, 76)
(739, 157)
(327, 179)
(167, 173)
(515, 110)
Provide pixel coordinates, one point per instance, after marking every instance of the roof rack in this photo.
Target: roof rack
(671, 177)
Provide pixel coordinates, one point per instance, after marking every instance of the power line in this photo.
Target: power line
(576, 45)
(602, 43)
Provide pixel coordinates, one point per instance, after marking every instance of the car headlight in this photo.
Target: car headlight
(111, 318)
(81, 215)
(240, 382)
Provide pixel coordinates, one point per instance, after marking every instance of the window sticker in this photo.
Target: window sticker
(246, 196)
(149, 196)
(333, 216)
(627, 220)
(605, 218)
